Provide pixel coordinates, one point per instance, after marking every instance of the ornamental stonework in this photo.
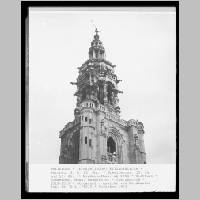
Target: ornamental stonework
(98, 135)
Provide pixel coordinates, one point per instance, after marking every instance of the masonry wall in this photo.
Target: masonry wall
(126, 150)
(92, 154)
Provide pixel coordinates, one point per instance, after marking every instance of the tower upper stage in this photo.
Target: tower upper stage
(97, 80)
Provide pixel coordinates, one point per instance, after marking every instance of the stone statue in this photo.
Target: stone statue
(112, 99)
(96, 90)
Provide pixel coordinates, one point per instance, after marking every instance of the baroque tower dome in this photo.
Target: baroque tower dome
(97, 80)
(96, 50)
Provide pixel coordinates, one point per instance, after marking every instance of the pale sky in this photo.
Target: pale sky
(142, 45)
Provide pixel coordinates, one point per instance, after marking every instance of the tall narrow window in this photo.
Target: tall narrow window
(85, 140)
(90, 142)
(86, 119)
(90, 121)
(111, 145)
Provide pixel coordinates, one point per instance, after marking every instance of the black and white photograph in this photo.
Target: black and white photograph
(102, 88)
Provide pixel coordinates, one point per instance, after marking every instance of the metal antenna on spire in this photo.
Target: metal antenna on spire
(95, 28)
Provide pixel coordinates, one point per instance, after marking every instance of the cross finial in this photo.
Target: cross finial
(96, 31)
(95, 28)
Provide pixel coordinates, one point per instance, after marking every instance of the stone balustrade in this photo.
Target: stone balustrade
(109, 159)
(132, 122)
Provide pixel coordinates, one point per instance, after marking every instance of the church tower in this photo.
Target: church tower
(98, 135)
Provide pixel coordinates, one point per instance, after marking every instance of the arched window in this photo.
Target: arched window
(111, 151)
(114, 146)
(111, 145)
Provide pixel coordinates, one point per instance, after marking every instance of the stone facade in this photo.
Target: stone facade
(98, 135)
